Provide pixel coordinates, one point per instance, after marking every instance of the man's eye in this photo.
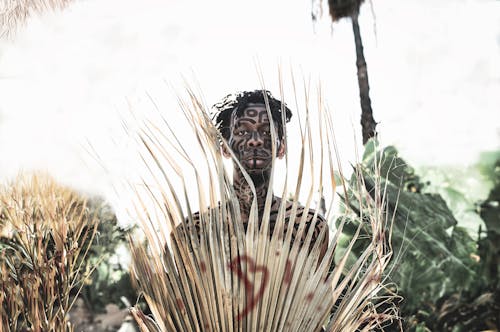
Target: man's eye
(266, 133)
(242, 133)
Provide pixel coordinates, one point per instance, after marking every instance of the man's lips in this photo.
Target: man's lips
(256, 162)
(256, 158)
(248, 156)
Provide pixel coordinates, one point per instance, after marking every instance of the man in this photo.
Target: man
(243, 121)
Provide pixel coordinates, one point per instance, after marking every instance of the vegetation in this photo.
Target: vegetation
(222, 278)
(110, 282)
(55, 247)
(46, 233)
(51, 239)
(448, 279)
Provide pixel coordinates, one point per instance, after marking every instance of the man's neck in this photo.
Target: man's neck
(244, 193)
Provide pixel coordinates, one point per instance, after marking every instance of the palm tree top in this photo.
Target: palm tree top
(343, 8)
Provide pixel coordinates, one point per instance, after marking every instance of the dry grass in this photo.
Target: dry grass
(45, 234)
(227, 279)
(14, 13)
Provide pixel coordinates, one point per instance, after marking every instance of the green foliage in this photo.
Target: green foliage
(432, 254)
(440, 270)
(461, 188)
(111, 280)
(489, 245)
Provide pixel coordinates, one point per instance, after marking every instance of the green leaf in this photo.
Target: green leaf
(432, 255)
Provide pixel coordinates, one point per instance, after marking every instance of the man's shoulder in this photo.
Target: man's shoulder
(194, 219)
(191, 221)
(299, 210)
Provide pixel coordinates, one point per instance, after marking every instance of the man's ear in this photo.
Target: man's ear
(281, 149)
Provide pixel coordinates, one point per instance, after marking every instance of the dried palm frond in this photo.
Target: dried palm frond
(45, 234)
(222, 278)
(14, 13)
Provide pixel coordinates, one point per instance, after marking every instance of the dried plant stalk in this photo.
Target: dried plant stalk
(221, 278)
(45, 234)
(14, 13)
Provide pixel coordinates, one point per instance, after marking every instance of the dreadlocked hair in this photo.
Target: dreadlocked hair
(237, 102)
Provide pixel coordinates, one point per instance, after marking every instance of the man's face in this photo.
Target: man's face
(250, 138)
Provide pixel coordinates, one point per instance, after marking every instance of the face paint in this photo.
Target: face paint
(250, 138)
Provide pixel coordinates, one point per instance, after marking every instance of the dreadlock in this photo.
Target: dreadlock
(237, 102)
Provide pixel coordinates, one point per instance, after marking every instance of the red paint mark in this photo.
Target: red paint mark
(252, 298)
(203, 267)
(206, 326)
(180, 304)
(288, 272)
(309, 297)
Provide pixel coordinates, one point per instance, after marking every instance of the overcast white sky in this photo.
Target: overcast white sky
(65, 77)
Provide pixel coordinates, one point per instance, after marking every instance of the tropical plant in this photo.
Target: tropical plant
(438, 267)
(339, 9)
(489, 244)
(477, 308)
(221, 278)
(45, 234)
(110, 281)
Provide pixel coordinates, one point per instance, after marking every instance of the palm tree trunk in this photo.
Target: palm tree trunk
(368, 123)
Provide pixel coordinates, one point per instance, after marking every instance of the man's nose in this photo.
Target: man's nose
(256, 140)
